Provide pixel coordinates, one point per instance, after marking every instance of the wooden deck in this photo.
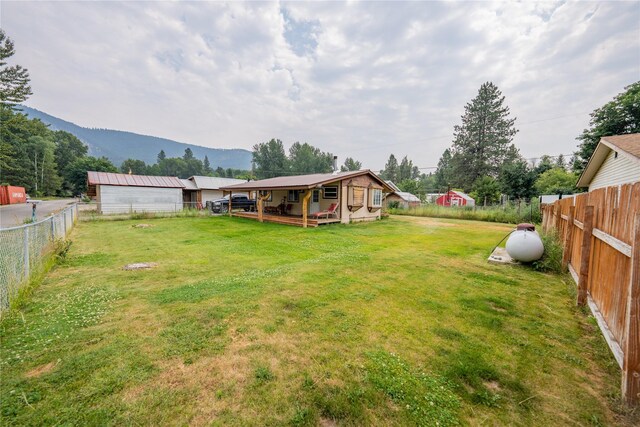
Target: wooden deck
(287, 219)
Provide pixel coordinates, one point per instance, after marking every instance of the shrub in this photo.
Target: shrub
(551, 260)
(394, 204)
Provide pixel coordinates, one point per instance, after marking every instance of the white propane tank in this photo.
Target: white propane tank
(525, 246)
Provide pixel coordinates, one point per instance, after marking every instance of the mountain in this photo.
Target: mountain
(118, 146)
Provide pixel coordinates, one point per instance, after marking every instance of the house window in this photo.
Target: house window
(330, 192)
(315, 198)
(377, 197)
(293, 196)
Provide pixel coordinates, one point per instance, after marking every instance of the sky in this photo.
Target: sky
(357, 79)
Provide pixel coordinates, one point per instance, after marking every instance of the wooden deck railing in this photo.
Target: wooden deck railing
(600, 231)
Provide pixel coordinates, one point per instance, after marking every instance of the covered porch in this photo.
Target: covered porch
(287, 219)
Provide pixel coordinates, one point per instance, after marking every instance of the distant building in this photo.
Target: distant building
(615, 161)
(455, 198)
(207, 188)
(403, 198)
(121, 193)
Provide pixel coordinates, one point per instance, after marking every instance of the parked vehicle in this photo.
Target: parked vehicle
(239, 201)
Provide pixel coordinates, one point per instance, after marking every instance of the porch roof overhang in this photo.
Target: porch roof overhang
(304, 182)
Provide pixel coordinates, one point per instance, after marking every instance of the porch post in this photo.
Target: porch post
(305, 204)
(230, 207)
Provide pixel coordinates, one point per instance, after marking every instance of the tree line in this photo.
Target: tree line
(270, 160)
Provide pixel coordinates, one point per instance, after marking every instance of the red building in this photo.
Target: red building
(455, 198)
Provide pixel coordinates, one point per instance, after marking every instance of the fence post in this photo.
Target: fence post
(631, 350)
(25, 258)
(568, 238)
(53, 228)
(585, 255)
(64, 217)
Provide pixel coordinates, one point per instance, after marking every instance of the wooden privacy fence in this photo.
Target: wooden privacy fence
(600, 231)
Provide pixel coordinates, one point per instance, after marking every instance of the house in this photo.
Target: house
(455, 198)
(307, 200)
(208, 188)
(120, 193)
(615, 161)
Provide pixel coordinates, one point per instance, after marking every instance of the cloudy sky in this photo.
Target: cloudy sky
(359, 79)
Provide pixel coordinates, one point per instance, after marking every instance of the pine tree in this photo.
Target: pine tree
(188, 154)
(14, 81)
(206, 167)
(390, 172)
(161, 156)
(483, 142)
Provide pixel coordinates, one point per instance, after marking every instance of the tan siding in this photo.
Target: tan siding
(615, 171)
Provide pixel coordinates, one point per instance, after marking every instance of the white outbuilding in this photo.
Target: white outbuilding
(122, 193)
(615, 161)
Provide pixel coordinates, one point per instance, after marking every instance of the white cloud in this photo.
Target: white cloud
(358, 79)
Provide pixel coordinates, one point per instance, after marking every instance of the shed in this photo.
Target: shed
(310, 200)
(208, 187)
(455, 198)
(615, 161)
(120, 193)
(404, 199)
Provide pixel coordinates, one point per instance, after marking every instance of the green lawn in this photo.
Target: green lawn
(401, 321)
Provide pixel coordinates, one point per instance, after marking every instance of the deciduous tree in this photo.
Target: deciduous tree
(350, 165)
(617, 117)
(270, 160)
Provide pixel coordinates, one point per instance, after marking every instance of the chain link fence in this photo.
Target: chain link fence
(23, 250)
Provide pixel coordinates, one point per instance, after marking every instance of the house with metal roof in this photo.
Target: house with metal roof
(615, 161)
(314, 199)
(208, 188)
(121, 193)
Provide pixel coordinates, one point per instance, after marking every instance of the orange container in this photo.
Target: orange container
(10, 195)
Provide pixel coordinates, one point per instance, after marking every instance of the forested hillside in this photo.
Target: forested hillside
(118, 146)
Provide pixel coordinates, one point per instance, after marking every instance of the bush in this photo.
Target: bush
(551, 260)
(394, 204)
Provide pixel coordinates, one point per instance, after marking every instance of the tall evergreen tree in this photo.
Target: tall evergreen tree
(443, 175)
(405, 170)
(483, 142)
(188, 154)
(390, 171)
(14, 80)
(206, 166)
(561, 162)
(161, 156)
(618, 117)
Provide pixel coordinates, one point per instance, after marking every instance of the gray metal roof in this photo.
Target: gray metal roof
(121, 179)
(393, 186)
(407, 197)
(188, 184)
(303, 181)
(214, 183)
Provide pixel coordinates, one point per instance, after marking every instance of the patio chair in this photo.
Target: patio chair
(332, 210)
